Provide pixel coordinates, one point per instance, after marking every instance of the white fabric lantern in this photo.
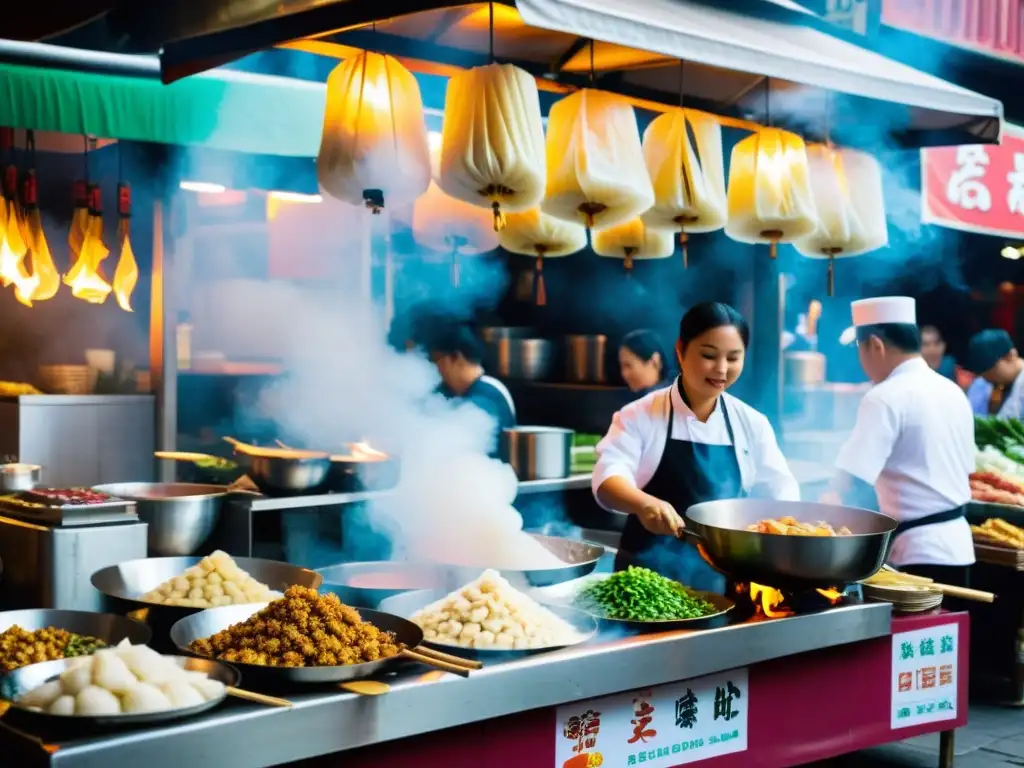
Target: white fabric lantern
(493, 139)
(769, 195)
(532, 233)
(683, 153)
(633, 240)
(595, 163)
(374, 145)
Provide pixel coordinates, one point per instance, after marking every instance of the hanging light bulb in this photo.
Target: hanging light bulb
(442, 223)
(769, 194)
(595, 164)
(126, 274)
(683, 153)
(373, 150)
(493, 139)
(532, 233)
(633, 240)
(847, 187)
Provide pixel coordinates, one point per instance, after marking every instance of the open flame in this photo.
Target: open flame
(832, 594)
(769, 600)
(362, 451)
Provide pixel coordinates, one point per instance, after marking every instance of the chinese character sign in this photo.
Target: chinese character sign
(656, 727)
(924, 669)
(976, 188)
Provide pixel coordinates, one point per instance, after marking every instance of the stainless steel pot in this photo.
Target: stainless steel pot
(19, 477)
(538, 453)
(180, 516)
(804, 369)
(523, 359)
(585, 359)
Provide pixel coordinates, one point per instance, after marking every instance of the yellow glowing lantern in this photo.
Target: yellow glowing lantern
(374, 145)
(493, 140)
(769, 195)
(683, 153)
(442, 223)
(595, 163)
(633, 240)
(532, 233)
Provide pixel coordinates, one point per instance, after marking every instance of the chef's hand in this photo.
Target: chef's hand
(660, 518)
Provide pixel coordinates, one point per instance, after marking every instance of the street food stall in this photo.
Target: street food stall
(543, 660)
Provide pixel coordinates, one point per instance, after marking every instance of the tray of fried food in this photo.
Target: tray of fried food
(997, 532)
(790, 526)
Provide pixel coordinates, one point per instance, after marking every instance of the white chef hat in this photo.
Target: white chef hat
(884, 310)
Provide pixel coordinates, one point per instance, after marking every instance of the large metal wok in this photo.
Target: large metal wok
(720, 529)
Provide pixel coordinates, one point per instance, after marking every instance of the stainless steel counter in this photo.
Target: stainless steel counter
(241, 735)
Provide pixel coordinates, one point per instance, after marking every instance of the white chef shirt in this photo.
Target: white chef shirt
(635, 442)
(914, 441)
(1013, 403)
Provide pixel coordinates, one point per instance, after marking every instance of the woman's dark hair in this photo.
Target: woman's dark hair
(707, 315)
(644, 344)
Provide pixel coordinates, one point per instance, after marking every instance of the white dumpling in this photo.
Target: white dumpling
(74, 679)
(110, 672)
(181, 694)
(94, 700)
(41, 696)
(62, 705)
(149, 666)
(209, 689)
(144, 698)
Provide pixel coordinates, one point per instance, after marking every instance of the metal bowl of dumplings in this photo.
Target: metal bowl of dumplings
(108, 627)
(21, 681)
(579, 558)
(122, 586)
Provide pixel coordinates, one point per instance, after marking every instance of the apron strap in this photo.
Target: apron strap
(939, 517)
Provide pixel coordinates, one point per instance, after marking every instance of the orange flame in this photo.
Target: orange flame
(13, 249)
(85, 279)
(127, 273)
(770, 599)
(831, 594)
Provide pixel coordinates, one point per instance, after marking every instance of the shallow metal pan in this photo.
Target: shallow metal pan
(393, 578)
(408, 603)
(109, 628)
(720, 528)
(20, 681)
(213, 620)
(580, 558)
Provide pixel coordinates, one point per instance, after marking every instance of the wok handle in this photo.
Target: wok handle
(436, 663)
(258, 698)
(966, 594)
(689, 532)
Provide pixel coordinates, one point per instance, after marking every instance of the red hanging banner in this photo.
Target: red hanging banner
(976, 188)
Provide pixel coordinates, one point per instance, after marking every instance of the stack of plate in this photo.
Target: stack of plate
(905, 598)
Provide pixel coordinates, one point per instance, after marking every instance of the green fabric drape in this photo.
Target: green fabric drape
(222, 109)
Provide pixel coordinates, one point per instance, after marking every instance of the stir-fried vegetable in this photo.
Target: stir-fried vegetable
(640, 594)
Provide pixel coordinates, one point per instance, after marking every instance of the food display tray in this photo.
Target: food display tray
(69, 515)
(1005, 556)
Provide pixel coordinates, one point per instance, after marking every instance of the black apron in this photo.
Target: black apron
(689, 473)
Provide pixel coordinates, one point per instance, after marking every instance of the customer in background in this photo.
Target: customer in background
(933, 350)
(993, 356)
(642, 362)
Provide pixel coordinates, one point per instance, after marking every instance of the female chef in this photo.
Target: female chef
(686, 443)
(642, 362)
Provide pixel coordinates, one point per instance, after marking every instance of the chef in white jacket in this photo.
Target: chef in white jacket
(687, 443)
(912, 449)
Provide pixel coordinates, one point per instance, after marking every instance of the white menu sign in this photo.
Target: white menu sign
(924, 676)
(656, 727)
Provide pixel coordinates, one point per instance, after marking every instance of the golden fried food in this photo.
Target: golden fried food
(790, 526)
(302, 629)
(21, 647)
(999, 533)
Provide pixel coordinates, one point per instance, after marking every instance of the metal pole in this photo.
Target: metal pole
(947, 744)
(47, 56)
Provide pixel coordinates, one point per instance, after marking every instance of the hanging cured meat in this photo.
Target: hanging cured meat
(633, 240)
(532, 233)
(373, 150)
(770, 197)
(493, 140)
(683, 153)
(595, 163)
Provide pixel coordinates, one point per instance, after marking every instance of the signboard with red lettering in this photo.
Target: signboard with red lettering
(976, 188)
(668, 725)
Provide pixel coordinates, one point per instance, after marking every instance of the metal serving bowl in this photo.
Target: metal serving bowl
(180, 516)
(21, 681)
(580, 558)
(19, 477)
(122, 585)
(365, 585)
(350, 475)
(279, 476)
(109, 628)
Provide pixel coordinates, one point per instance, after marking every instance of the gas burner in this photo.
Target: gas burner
(761, 602)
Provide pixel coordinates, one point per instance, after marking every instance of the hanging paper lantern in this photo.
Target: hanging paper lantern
(374, 145)
(770, 197)
(633, 240)
(532, 233)
(595, 163)
(683, 153)
(847, 188)
(493, 140)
